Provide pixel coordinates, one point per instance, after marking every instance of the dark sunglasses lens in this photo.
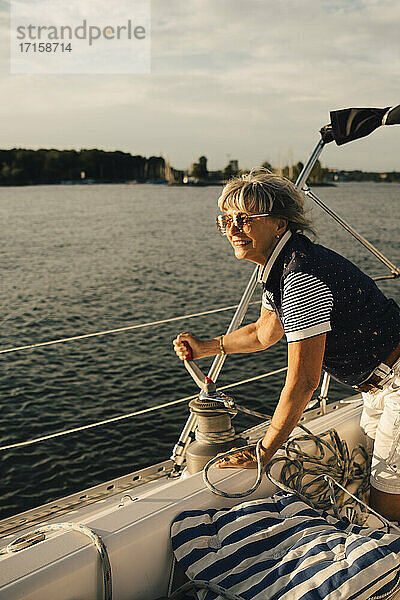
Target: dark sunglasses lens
(221, 224)
(239, 222)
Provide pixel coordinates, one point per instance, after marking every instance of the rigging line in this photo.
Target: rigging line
(121, 329)
(134, 414)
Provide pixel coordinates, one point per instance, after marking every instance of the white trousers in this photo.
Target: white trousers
(380, 420)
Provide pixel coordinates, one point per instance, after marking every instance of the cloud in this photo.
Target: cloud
(253, 78)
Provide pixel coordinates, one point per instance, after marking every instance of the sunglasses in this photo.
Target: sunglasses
(240, 220)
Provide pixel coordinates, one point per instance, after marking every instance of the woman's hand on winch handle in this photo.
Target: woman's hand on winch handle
(187, 347)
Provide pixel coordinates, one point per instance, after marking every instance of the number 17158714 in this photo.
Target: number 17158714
(45, 47)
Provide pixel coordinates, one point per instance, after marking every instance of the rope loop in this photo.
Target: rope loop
(260, 473)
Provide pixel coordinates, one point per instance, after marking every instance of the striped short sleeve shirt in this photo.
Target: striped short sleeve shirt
(314, 290)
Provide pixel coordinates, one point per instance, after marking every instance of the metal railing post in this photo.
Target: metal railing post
(323, 395)
(302, 178)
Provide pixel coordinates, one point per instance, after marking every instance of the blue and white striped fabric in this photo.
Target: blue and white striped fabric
(307, 304)
(282, 548)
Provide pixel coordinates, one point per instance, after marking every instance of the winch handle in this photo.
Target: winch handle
(204, 382)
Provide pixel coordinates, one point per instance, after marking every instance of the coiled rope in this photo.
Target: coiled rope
(301, 472)
(309, 475)
(23, 541)
(142, 412)
(121, 329)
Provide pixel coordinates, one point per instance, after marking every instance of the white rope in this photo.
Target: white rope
(133, 414)
(121, 329)
(25, 541)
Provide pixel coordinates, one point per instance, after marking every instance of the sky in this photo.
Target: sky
(251, 80)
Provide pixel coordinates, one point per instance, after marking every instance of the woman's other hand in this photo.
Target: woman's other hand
(242, 459)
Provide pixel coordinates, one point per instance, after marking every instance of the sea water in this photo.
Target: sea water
(81, 259)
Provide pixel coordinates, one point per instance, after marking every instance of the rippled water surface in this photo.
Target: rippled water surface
(80, 259)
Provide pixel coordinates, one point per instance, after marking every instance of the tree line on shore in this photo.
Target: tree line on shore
(19, 166)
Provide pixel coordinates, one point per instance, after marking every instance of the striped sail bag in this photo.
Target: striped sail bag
(282, 548)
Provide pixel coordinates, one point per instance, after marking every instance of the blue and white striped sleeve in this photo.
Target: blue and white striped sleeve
(266, 300)
(306, 305)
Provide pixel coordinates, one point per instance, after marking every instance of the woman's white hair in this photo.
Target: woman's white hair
(261, 191)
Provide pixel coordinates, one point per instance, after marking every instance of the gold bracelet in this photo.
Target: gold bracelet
(221, 346)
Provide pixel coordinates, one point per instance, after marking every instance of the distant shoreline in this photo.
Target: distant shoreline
(20, 166)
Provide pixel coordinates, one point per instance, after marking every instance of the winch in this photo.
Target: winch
(213, 412)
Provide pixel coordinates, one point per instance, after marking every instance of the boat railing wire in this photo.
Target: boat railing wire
(137, 412)
(76, 338)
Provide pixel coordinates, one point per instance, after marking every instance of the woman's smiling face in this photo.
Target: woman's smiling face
(257, 238)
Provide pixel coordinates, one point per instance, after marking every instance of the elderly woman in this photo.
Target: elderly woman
(334, 318)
